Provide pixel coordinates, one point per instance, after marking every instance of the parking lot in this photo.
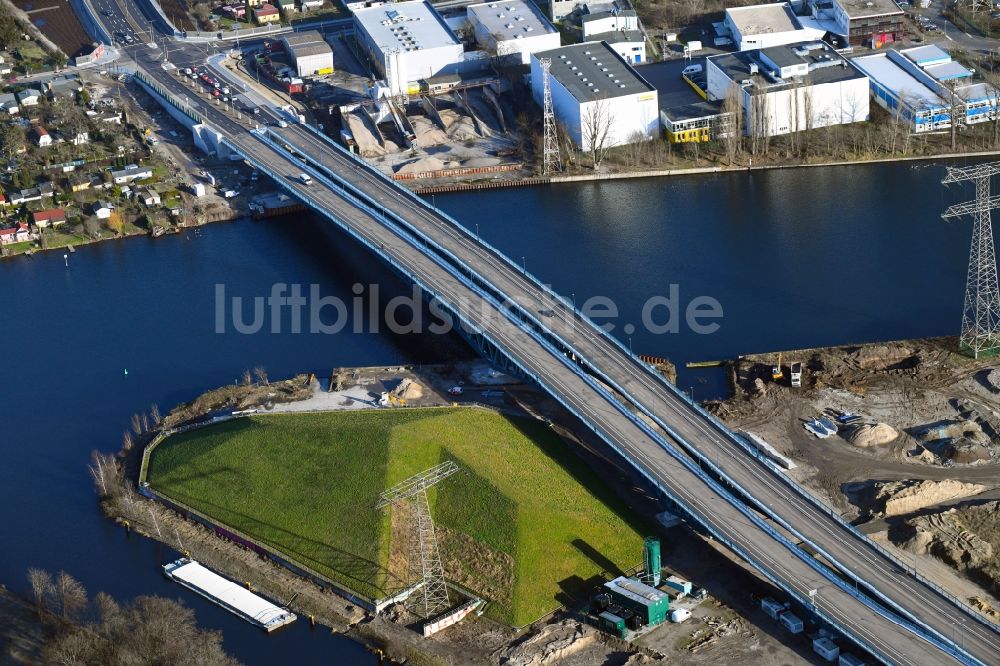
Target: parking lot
(672, 90)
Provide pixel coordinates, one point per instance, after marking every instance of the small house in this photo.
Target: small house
(49, 217)
(266, 14)
(64, 87)
(8, 103)
(130, 173)
(103, 209)
(237, 12)
(29, 97)
(81, 138)
(19, 233)
(150, 198)
(41, 136)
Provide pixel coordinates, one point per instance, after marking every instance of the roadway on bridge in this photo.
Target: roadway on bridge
(762, 549)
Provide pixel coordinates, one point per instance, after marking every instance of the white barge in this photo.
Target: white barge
(234, 598)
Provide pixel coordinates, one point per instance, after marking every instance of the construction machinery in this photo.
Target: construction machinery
(389, 398)
(796, 374)
(776, 372)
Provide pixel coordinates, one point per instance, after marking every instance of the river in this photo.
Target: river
(794, 258)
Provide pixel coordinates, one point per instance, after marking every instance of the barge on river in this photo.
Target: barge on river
(229, 595)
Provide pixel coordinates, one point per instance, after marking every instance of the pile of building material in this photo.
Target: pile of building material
(896, 498)
(553, 644)
(408, 390)
(872, 434)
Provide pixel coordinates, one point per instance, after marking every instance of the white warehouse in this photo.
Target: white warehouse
(512, 28)
(593, 86)
(310, 53)
(790, 88)
(407, 42)
(764, 26)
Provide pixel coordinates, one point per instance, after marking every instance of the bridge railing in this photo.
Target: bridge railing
(721, 427)
(474, 327)
(416, 239)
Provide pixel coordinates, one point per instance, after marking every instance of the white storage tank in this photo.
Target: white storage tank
(791, 622)
(826, 648)
(679, 615)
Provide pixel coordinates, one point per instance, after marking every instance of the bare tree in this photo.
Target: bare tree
(760, 124)
(154, 413)
(246, 378)
(733, 108)
(261, 374)
(41, 588)
(127, 441)
(954, 111)
(596, 122)
(137, 424)
(70, 595)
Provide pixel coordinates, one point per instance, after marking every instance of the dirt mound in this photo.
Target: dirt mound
(950, 540)
(895, 498)
(993, 378)
(408, 390)
(421, 165)
(553, 644)
(872, 434)
(879, 357)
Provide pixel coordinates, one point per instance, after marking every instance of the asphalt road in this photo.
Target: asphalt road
(606, 415)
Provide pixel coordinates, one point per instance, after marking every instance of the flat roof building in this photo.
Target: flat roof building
(512, 28)
(629, 44)
(590, 82)
(407, 42)
(903, 92)
(310, 53)
(790, 88)
(871, 23)
(764, 26)
(696, 123)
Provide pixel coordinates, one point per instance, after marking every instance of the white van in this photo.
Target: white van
(691, 70)
(305, 178)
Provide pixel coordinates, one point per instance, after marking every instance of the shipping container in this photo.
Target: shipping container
(826, 648)
(650, 604)
(848, 659)
(679, 584)
(791, 622)
(612, 624)
(771, 607)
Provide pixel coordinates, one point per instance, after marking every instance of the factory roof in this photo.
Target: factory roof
(897, 80)
(616, 36)
(931, 54)
(513, 19)
(693, 111)
(763, 19)
(597, 16)
(977, 92)
(948, 70)
(306, 43)
(592, 71)
(825, 65)
(405, 26)
(863, 8)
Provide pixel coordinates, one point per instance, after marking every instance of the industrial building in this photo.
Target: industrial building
(407, 42)
(790, 88)
(613, 20)
(906, 92)
(650, 604)
(977, 100)
(593, 85)
(871, 23)
(513, 28)
(630, 45)
(696, 123)
(310, 53)
(764, 26)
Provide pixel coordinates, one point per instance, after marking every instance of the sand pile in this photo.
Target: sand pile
(422, 165)
(894, 498)
(872, 434)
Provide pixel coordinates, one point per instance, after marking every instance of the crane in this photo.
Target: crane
(776, 373)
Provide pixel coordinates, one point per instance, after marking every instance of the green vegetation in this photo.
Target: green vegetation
(306, 484)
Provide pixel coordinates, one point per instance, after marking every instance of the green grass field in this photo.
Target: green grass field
(307, 484)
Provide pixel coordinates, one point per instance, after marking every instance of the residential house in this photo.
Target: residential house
(237, 12)
(130, 173)
(8, 103)
(310, 4)
(255, 3)
(103, 209)
(79, 139)
(287, 6)
(50, 216)
(151, 198)
(32, 194)
(16, 234)
(266, 14)
(64, 87)
(41, 136)
(5, 67)
(29, 97)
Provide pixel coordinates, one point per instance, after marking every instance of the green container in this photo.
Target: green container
(651, 561)
(612, 624)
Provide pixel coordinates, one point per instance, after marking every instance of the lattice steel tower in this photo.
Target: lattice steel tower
(981, 311)
(423, 558)
(551, 160)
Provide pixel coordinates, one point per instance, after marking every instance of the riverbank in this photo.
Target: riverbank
(423, 188)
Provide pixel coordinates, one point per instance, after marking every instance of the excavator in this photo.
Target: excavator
(776, 373)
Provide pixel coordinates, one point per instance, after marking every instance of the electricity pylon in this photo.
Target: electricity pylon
(551, 160)
(423, 558)
(981, 310)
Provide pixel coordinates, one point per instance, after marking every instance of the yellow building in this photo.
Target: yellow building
(266, 13)
(696, 123)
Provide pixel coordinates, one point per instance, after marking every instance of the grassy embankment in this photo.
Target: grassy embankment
(306, 484)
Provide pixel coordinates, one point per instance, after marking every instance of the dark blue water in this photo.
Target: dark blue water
(795, 258)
